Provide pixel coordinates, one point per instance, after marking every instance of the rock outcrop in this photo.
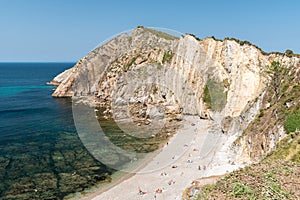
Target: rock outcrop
(153, 75)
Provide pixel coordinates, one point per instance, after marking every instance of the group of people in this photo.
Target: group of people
(142, 193)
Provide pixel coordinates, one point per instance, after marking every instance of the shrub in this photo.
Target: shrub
(292, 122)
(167, 57)
(240, 190)
(131, 61)
(193, 36)
(289, 52)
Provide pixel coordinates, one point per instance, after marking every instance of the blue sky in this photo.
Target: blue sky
(66, 30)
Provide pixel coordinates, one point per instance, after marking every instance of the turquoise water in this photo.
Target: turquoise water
(41, 156)
(14, 90)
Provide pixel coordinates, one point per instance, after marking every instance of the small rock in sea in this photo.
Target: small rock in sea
(139, 124)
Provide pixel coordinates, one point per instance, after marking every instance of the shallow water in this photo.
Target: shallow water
(41, 153)
(41, 156)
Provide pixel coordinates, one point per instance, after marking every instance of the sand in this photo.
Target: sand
(198, 149)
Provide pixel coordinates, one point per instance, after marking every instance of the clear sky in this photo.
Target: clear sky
(66, 30)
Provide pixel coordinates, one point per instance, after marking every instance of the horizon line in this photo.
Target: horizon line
(38, 61)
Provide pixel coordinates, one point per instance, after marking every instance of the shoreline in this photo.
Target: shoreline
(118, 176)
(164, 177)
(98, 190)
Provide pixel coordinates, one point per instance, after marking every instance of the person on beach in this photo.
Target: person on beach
(163, 174)
(158, 191)
(141, 193)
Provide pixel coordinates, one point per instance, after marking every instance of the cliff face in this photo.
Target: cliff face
(154, 74)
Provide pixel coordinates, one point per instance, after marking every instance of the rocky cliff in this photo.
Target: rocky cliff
(152, 75)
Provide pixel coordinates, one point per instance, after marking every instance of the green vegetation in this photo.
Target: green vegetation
(261, 113)
(277, 175)
(241, 190)
(194, 36)
(131, 61)
(289, 52)
(283, 97)
(287, 149)
(154, 89)
(213, 37)
(245, 42)
(241, 42)
(292, 123)
(226, 83)
(273, 178)
(160, 34)
(213, 95)
(168, 55)
(278, 73)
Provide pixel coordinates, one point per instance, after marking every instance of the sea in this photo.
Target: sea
(41, 155)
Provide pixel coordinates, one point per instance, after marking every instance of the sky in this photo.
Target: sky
(66, 30)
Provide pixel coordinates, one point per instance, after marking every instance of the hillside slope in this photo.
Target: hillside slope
(147, 75)
(277, 176)
(189, 76)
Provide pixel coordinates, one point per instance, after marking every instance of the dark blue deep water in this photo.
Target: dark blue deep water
(41, 156)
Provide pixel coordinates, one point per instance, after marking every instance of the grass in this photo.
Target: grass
(283, 89)
(159, 33)
(241, 190)
(268, 180)
(287, 149)
(277, 176)
(292, 123)
(131, 61)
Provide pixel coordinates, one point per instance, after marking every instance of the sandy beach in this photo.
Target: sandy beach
(198, 149)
